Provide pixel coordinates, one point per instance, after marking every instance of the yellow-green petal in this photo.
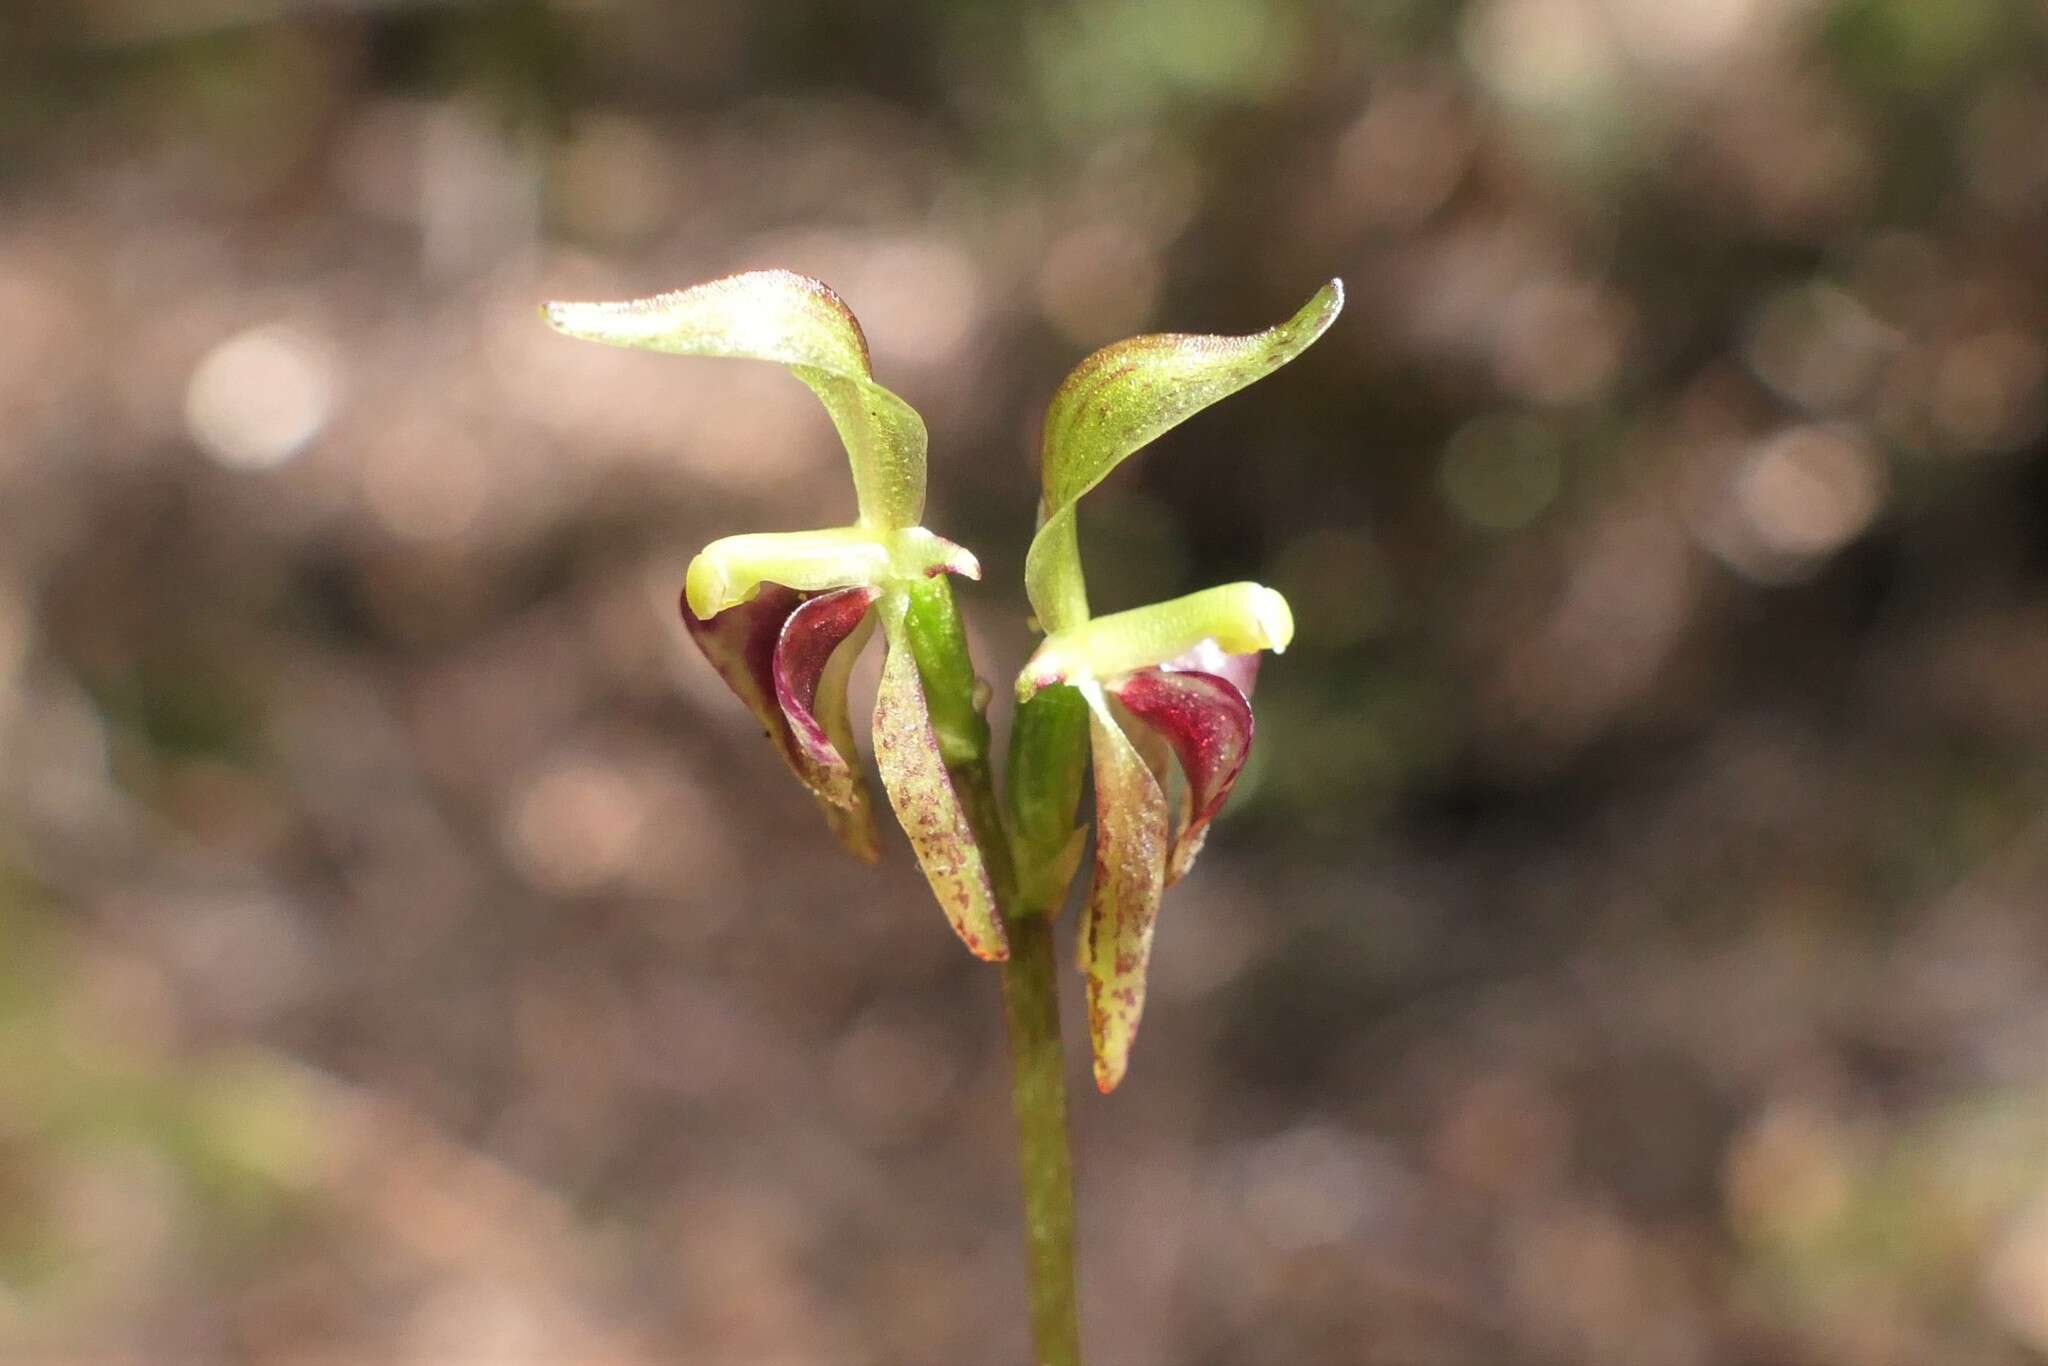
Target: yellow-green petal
(729, 570)
(1239, 618)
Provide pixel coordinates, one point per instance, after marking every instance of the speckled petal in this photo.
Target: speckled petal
(740, 643)
(1207, 723)
(914, 775)
(1123, 900)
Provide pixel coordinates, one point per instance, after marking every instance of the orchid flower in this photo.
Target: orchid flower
(782, 615)
(1173, 678)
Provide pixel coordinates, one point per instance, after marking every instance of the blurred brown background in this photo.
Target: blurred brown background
(1627, 947)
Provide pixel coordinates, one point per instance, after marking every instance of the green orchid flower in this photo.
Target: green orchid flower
(1134, 696)
(782, 616)
(1166, 683)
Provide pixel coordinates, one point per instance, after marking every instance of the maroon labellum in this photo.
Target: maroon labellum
(1204, 720)
(1207, 723)
(810, 660)
(768, 666)
(787, 655)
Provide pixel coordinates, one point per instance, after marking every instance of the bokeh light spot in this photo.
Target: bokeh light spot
(425, 489)
(575, 827)
(1810, 491)
(1988, 390)
(1500, 472)
(258, 398)
(1098, 283)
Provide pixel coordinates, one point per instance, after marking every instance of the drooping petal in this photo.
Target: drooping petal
(1123, 397)
(813, 656)
(926, 804)
(1207, 722)
(1123, 899)
(799, 322)
(740, 643)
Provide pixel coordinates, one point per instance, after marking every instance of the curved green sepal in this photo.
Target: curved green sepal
(926, 804)
(1240, 618)
(775, 315)
(1123, 899)
(1125, 396)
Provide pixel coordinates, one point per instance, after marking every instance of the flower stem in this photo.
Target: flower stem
(1038, 1093)
(1031, 1003)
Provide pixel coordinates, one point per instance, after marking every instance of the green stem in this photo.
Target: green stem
(1038, 1093)
(1031, 1010)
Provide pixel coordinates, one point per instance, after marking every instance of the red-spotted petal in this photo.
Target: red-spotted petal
(928, 807)
(1123, 898)
(1207, 723)
(740, 643)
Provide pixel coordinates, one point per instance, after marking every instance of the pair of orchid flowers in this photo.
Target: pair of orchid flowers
(782, 616)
